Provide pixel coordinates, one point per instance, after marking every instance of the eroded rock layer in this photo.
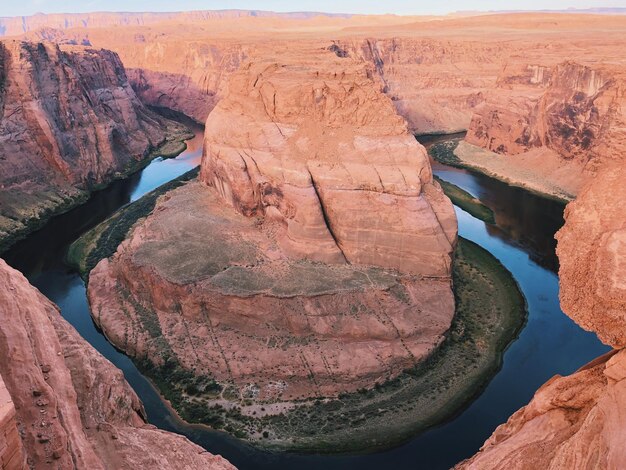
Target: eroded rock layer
(575, 422)
(73, 408)
(12, 456)
(314, 147)
(557, 123)
(69, 122)
(328, 269)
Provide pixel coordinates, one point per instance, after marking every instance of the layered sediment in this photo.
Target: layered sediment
(73, 408)
(69, 123)
(575, 421)
(550, 128)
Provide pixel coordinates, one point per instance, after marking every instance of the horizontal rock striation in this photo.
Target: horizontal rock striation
(69, 122)
(74, 409)
(328, 270)
(322, 153)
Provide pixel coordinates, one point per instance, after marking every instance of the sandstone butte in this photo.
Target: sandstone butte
(69, 122)
(318, 260)
(63, 405)
(576, 422)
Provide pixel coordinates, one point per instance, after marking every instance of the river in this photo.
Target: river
(522, 239)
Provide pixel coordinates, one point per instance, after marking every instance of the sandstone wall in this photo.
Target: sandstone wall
(314, 144)
(75, 408)
(12, 455)
(69, 122)
(575, 422)
(542, 117)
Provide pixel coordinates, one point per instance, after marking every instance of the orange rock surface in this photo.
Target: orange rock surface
(313, 145)
(74, 409)
(562, 122)
(327, 270)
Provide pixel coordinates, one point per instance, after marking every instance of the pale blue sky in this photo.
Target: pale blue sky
(28, 7)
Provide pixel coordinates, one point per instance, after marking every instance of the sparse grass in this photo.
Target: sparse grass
(102, 241)
(466, 201)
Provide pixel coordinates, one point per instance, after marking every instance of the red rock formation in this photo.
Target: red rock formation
(73, 408)
(333, 271)
(562, 122)
(69, 121)
(575, 422)
(12, 456)
(318, 148)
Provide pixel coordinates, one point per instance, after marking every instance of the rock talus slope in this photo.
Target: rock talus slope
(69, 122)
(327, 270)
(73, 408)
(576, 422)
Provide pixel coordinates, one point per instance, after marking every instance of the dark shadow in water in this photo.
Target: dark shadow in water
(521, 217)
(549, 344)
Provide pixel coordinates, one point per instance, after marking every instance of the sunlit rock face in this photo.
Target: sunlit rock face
(313, 256)
(319, 150)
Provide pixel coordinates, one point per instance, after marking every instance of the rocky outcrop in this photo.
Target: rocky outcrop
(328, 269)
(562, 122)
(575, 422)
(73, 408)
(12, 456)
(319, 150)
(69, 122)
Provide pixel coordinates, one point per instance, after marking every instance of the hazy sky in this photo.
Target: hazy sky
(28, 7)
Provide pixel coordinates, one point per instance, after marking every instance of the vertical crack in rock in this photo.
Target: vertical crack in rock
(325, 216)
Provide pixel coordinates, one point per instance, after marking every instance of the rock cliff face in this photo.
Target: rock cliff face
(575, 422)
(69, 121)
(12, 456)
(73, 408)
(568, 114)
(321, 151)
(331, 270)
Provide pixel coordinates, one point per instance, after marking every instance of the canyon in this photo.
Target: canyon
(70, 123)
(522, 103)
(307, 155)
(310, 172)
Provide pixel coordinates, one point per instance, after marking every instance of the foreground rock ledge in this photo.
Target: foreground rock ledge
(328, 270)
(73, 407)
